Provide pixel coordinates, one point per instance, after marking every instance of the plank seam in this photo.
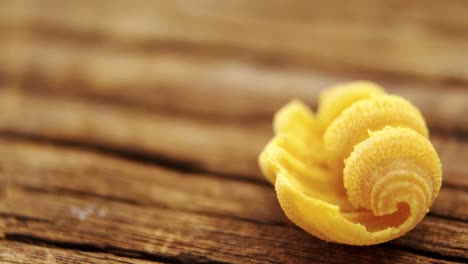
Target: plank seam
(153, 159)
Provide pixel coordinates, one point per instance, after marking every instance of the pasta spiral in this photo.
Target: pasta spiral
(360, 171)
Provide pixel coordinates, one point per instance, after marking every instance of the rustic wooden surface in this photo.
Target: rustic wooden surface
(129, 131)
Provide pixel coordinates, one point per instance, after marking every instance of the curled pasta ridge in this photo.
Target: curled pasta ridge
(360, 171)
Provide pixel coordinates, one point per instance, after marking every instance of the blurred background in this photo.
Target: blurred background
(193, 85)
(150, 77)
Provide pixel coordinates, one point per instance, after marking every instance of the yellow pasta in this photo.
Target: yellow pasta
(360, 171)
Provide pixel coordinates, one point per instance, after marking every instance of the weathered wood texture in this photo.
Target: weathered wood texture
(129, 132)
(14, 252)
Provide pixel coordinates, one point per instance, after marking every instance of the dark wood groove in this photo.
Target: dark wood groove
(76, 193)
(445, 217)
(23, 218)
(454, 186)
(131, 155)
(149, 159)
(429, 254)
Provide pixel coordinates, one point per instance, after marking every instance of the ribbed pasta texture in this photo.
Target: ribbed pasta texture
(360, 171)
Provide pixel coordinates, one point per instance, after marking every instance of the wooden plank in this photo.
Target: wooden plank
(3, 206)
(226, 88)
(112, 83)
(169, 232)
(453, 154)
(420, 38)
(14, 252)
(432, 227)
(451, 203)
(151, 80)
(41, 171)
(2, 224)
(212, 146)
(56, 169)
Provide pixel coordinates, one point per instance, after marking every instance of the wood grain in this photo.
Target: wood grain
(228, 149)
(226, 88)
(168, 232)
(68, 169)
(14, 252)
(40, 173)
(418, 39)
(211, 145)
(130, 131)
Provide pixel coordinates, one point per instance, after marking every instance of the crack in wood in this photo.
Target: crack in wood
(128, 154)
(146, 158)
(77, 193)
(455, 187)
(187, 167)
(445, 217)
(24, 218)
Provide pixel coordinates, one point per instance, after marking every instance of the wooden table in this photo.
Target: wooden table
(129, 131)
